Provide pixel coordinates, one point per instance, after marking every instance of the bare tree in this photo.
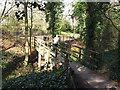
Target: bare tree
(6, 11)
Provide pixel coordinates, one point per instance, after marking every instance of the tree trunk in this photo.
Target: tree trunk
(26, 36)
(90, 26)
(73, 24)
(31, 29)
(4, 8)
(119, 47)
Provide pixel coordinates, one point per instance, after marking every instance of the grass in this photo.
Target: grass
(69, 34)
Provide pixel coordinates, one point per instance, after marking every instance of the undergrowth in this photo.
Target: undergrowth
(44, 80)
(15, 75)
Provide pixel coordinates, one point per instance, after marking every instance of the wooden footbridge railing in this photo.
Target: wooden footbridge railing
(45, 48)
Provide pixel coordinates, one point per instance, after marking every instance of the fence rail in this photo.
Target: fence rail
(44, 48)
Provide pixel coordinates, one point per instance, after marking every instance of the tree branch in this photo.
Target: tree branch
(10, 9)
(109, 20)
(4, 8)
(7, 12)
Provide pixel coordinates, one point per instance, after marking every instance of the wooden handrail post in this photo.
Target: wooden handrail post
(39, 60)
(43, 48)
(66, 63)
(37, 44)
(99, 58)
(49, 52)
(80, 54)
(55, 52)
(34, 41)
(39, 56)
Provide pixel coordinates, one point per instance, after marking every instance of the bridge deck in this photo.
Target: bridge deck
(85, 78)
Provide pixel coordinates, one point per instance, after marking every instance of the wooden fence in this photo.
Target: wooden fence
(42, 46)
(45, 48)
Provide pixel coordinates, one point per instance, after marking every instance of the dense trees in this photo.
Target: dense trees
(98, 24)
(53, 12)
(92, 19)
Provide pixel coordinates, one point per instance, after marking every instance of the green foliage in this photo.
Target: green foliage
(73, 58)
(65, 26)
(53, 12)
(90, 26)
(20, 14)
(100, 71)
(7, 57)
(97, 25)
(111, 58)
(80, 13)
(43, 80)
(12, 67)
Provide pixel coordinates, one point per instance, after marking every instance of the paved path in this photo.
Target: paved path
(85, 78)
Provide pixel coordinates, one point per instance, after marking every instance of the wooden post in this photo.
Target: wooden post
(39, 60)
(37, 45)
(34, 42)
(39, 56)
(43, 48)
(49, 51)
(66, 63)
(55, 53)
(79, 54)
(63, 38)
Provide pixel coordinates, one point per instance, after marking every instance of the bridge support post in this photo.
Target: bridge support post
(80, 54)
(39, 56)
(43, 48)
(66, 61)
(55, 53)
(39, 60)
(34, 42)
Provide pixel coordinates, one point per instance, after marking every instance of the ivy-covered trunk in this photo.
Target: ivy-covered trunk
(26, 36)
(90, 26)
(53, 11)
(31, 28)
(53, 23)
(119, 47)
(73, 24)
